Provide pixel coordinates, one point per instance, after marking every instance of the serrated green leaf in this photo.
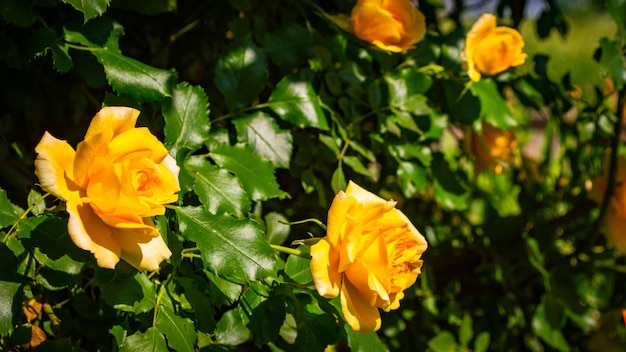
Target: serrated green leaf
(294, 100)
(262, 133)
(266, 330)
(492, 105)
(289, 46)
(256, 175)
(18, 12)
(443, 342)
(186, 117)
(406, 89)
(338, 180)
(44, 39)
(131, 294)
(241, 73)
(276, 228)
(132, 78)
(227, 291)
(233, 248)
(9, 305)
(89, 8)
(180, 332)
(299, 269)
(231, 329)
(150, 341)
(218, 191)
(8, 211)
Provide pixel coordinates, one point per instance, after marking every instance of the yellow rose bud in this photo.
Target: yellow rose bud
(370, 255)
(493, 148)
(615, 216)
(490, 49)
(118, 177)
(392, 25)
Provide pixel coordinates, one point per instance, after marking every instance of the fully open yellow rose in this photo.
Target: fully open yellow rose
(490, 49)
(493, 148)
(393, 25)
(615, 216)
(118, 177)
(370, 255)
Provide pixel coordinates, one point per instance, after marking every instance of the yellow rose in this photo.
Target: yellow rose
(393, 25)
(118, 177)
(615, 216)
(490, 49)
(493, 148)
(370, 255)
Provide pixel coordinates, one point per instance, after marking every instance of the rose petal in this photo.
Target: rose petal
(324, 263)
(357, 311)
(143, 251)
(90, 233)
(126, 143)
(53, 166)
(114, 118)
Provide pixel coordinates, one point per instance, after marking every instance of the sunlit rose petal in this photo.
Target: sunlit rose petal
(358, 312)
(324, 269)
(143, 251)
(53, 166)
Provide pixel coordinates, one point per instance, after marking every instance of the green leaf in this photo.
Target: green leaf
(406, 89)
(462, 105)
(8, 211)
(543, 329)
(276, 229)
(465, 330)
(18, 12)
(8, 261)
(412, 177)
(218, 191)
(266, 320)
(294, 100)
(299, 269)
(200, 303)
(119, 333)
(492, 105)
(450, 190)
(227, 291)
(501, 192)
(10, 304)
(262, 133)
(231, 329)
(316, 332)
(240, 74)
(45, 39)
(186, 117)
(443, 342)
(152, 340)
(89, 8)
(132, 78)
(130, 294)
(481, 344)
(364, 342)
(256, 175)
(289, 46)
(338, 180)
(233, 248)
(34, 196)
(617, 9)
(180, 332)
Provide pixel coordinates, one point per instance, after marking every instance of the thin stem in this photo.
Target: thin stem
(313, 220)
(24, 214)
(184, 30)
(291, 251)
(80, 47)
(231, 114)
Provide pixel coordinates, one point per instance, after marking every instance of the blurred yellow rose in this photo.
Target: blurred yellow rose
(615, 216)
(493, 148)
(392, 25)
(370, 255)
(118, 177)
(490, 49)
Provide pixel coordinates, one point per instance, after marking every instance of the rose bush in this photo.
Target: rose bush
(491, 49)
(370, 255)
(118, 177)
(393, 25)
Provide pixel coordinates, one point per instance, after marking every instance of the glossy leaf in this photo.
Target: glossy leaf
(9, 300)
(231, 329)
(276, 228)
(256, 175)
(151, 340)
(89, 8)
(180, 332)
(443, 342)
(492, 105)
(229, 247)
(8, 211)
(261, 132)
(294, 100)
(131, 294)
(186, 116)
(266, 320)
(241, 73)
